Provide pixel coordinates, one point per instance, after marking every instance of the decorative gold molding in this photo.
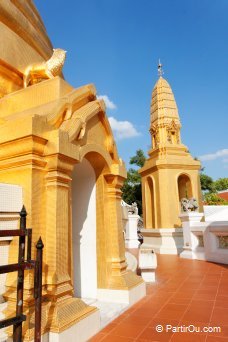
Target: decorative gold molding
(76, 125)
(71, 102)
(11, 73)
(10, 79)
(26, 145)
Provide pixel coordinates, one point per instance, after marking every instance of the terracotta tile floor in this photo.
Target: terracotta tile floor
(186, 292)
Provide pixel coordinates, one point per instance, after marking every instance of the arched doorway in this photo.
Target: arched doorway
(84, 230)
(150, 204)
(184, 187)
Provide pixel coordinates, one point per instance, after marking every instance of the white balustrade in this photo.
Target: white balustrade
(204, 240)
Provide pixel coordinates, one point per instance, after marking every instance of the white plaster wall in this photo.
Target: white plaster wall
(215, 213)
(131, 237)
(10, 198)
(164, 240)
(84, 230)
(82, 331)
(10, 206)
(210, 231)
(4, 255)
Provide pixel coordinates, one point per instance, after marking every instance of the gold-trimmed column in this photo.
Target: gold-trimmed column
(64, 310)
(57, 277)
(119, 278)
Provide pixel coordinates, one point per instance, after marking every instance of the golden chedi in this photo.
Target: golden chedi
(169, 174)
(57, 144)
(24, 41)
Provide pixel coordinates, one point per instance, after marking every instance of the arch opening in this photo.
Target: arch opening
(150, 200)
(184, 187)
(84, 230)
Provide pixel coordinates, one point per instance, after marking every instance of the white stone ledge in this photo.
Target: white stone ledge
(164, 240)
(130, 296)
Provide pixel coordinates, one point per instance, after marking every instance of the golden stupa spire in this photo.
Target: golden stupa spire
(165, 122)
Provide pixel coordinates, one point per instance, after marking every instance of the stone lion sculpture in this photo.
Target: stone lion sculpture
(184, 204)
(189, 204)
(45, 70)
(131, 209)
(193, 204)
(134, 208)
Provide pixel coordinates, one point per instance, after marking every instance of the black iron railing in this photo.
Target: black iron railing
(20, 267)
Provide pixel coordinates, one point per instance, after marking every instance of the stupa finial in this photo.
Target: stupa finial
(160, 70)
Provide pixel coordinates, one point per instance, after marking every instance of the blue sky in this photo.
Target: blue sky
(116, 44)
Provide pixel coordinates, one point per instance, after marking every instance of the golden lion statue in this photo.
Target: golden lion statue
(36, 72)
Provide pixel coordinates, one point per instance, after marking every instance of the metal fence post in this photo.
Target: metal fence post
(20, 267)
(38, 289)
(17, 329)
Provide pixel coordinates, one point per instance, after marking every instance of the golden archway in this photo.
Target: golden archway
(184, 186)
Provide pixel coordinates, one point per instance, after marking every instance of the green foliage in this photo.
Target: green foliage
(221, 184)
(210, 189)
(214, 199)
(139, 159)
(132, 194)
(133, 177)
(207, 183)
(132, 191)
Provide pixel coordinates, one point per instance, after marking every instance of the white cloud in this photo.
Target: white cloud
(216, 155)
(109, 104)
(123, 129)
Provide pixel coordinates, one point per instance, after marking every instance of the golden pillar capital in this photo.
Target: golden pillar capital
(61, 163)
(114, 185)
(57, 179)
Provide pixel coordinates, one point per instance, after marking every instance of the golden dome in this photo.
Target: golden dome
(163, 104)
(23, 41)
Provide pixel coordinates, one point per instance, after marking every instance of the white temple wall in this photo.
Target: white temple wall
(84, 230)
(10, 206)
(204, 240)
